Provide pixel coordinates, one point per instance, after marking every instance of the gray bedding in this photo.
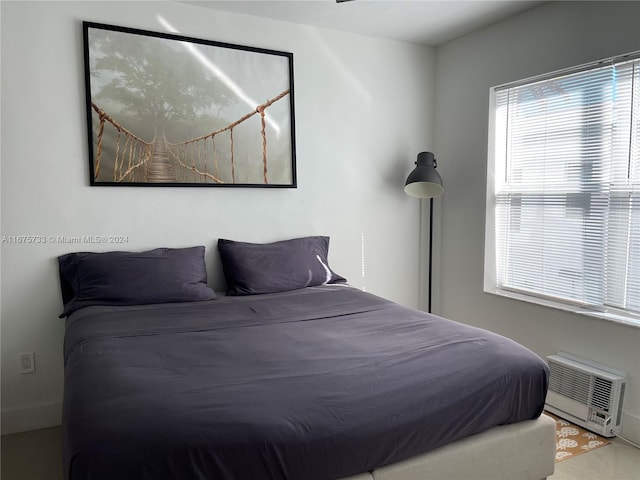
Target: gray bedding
(318, 383)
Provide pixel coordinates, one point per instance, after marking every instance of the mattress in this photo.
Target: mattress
(318, 383)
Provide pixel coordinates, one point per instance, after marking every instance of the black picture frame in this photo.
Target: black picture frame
(169, 110)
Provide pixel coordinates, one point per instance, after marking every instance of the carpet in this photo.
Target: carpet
(572, 440)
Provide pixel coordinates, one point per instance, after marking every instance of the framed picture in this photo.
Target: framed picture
(164, 109)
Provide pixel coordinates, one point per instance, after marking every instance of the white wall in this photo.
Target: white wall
(362, 109)
(550, 37)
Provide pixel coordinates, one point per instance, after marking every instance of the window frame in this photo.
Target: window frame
(491, 281)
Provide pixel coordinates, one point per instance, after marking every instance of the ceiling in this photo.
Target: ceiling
(427, 22)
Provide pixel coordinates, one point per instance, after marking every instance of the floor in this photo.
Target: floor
(617, 461)
(37, 456)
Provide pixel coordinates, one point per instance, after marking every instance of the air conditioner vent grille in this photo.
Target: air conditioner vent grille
(569, 382)
(601, 394)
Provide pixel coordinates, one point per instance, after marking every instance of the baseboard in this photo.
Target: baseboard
(33, 417)
(630, 427)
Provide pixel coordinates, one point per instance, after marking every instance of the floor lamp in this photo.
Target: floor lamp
(425, 182)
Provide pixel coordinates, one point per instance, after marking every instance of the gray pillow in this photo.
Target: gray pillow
(253, 268)
(163, 275)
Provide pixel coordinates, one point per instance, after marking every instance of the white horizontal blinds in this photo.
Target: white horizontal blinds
(632, 300)
(566, 221)
(624, 219)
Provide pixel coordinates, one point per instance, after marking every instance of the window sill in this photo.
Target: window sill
(618, 318)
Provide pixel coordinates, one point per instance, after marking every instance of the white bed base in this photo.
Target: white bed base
(522, 451)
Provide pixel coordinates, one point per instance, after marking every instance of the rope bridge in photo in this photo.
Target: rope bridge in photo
(136, 160)
(132, 150)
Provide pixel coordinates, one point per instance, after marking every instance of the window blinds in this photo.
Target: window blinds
(567, 187)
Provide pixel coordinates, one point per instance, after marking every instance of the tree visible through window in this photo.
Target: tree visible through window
(565, 187)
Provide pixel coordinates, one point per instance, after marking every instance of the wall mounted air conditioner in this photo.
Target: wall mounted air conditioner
(586, 393)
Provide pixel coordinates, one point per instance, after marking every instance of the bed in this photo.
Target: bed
(321, 381)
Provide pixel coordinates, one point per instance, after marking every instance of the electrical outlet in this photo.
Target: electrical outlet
(27, 362)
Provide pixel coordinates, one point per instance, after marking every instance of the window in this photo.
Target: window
(563, 209)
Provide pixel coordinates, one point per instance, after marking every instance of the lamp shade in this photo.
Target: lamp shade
(424, 181)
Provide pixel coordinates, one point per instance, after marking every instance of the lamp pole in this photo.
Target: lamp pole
(430, 271)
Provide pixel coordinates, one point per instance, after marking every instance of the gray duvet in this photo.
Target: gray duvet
(318, 383)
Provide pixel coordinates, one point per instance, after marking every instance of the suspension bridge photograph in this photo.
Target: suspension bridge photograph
(163, 109)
